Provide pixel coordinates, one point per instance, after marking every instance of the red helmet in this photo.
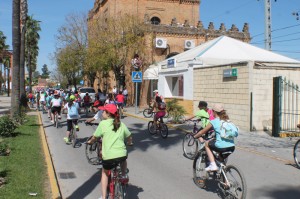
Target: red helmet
(96, 103)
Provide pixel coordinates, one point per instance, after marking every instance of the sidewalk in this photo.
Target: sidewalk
(258, 142)
(5, 104)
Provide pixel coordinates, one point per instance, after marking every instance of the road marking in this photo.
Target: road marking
(52, 177)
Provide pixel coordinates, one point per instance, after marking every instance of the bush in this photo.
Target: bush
(7, 126)
(3, 147)
(175, 110)
(19, 118)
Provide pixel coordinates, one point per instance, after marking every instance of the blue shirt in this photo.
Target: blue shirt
(220, 142)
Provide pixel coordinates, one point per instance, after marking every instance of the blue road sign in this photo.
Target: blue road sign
(137, 76)
(81, 82)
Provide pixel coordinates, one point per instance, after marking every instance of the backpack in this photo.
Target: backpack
(72, 111)
(86, 99)
(162, 106)
(228, 130)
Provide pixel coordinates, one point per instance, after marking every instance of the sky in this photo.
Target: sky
(285, 26)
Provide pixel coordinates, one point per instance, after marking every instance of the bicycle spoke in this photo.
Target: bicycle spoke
(199, 173)
(235, 185)
(164, 130)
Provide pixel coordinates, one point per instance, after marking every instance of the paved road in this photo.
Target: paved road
(159, 170)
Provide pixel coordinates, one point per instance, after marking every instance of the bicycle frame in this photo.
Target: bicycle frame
(114, 179)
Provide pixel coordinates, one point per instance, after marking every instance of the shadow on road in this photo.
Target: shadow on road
(278, 192)
(87, 187)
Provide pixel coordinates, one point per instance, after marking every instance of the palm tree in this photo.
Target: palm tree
(22, 55)
(31, 48)
(15, 97)
(3, 48)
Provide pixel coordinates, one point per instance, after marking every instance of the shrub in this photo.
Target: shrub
(175, 110)
(3, 147)
(7, 126)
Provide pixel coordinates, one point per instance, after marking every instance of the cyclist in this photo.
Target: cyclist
(87, 100)
(120, 101)
(55, 105)
(42, 99)
(113, 133)
(37, 97)
(48, 101)
(31, 99)
(72, 116)
(160, 107)
(110, 99)
(201, 114)
(98, 114)
(219, 144)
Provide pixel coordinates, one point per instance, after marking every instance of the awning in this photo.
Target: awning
(151, 73)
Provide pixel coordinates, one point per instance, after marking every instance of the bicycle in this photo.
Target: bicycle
(160, 127)
(296, 153)
(189, 143)
(230, 179)
(73, 135)
(93, 151)
(55, 119)
(149, 113)
(117, 185)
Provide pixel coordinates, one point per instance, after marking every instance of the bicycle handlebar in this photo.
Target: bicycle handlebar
(91, 124)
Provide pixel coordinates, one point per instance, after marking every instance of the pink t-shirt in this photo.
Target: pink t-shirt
(211, 114)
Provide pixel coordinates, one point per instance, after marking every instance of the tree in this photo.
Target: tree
(45, 71)
(72, 46)
(3, 50)
(15, 98)
(32, 49)
(112, 43)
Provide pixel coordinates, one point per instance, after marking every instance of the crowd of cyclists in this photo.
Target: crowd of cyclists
(114, 133)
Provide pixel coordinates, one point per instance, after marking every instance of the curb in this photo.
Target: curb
(55, 191)
(242, 148)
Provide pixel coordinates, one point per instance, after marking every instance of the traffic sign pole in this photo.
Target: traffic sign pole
(136, 88)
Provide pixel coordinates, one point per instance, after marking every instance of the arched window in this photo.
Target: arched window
(155, 20)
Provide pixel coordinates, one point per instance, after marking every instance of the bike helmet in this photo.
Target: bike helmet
(72, 97)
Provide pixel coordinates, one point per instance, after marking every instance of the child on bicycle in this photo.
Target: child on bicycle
(55, 105)
(72, 116)
(219, 144)
(98, 114)
(201, 114)
(160, 107)
(113, 133)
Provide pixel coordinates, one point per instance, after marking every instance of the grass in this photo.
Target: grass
(24, 169)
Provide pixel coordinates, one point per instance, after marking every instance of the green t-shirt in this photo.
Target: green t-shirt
(203, 115)
(113, 145)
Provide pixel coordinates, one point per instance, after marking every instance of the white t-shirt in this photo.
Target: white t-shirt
(98, 115)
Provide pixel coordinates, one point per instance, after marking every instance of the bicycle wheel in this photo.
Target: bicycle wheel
(151, 128)
(199, 173)
(56, 121)
(120, 190)
(92, 152)
(189, 146)
(163, 130)
(297, 153)
(148, 112)
(237, 187)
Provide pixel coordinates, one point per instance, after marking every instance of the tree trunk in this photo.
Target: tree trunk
(15, 98)
(8, 79)
(22, 63)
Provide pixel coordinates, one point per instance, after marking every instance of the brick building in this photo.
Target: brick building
(174, 26)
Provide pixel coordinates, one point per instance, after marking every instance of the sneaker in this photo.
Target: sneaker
(67, 140)
(52, 121)
(59, 117)
(77, 128)
(211, 167)
(48, 116)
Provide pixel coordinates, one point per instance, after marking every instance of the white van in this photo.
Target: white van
(90, 90)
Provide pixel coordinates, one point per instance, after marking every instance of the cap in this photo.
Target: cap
(72, 97)
(111, 108)
(218, 107)
(155, 91)
(96, 103)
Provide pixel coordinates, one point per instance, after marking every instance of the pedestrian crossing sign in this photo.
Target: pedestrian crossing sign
(137, 76)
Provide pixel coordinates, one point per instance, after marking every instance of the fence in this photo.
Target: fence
(285, 106)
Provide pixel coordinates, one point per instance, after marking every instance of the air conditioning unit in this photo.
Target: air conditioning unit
(160, 43)
(189, 44)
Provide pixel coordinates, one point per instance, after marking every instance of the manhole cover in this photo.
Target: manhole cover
(67, 175)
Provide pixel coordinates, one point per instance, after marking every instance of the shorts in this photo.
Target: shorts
(212, 146)
(70, 124)
(159, 114)
(112, 163)
(56, 109)
(87, 104)
(120, 104)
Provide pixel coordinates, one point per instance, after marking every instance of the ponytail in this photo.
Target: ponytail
(223, 115)
(70, 103)
(116, 122)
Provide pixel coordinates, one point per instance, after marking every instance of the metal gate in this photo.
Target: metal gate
(285, 106)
